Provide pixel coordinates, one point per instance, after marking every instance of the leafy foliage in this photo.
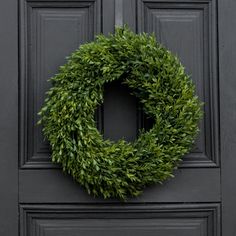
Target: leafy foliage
(157, 78)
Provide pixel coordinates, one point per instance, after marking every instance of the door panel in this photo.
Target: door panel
(198, 201)
(195, 220)
(189, 30)
(50, 31)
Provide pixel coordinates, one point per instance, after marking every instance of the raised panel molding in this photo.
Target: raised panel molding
(188, 28)
(136, 219)
(49, 31)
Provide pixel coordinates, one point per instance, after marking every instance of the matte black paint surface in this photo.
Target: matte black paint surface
(199, 201)
(8, 119)
(120, 113)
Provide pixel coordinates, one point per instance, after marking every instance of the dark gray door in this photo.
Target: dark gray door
(36, 198)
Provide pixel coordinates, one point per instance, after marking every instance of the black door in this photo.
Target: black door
(36, 198)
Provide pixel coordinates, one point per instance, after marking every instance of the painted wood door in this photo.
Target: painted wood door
(36, 198)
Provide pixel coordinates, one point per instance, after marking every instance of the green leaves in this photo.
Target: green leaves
(157, 78)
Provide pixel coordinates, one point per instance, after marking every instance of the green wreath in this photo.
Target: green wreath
(157, 78)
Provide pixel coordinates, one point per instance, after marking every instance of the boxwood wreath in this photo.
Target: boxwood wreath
(156, 77)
